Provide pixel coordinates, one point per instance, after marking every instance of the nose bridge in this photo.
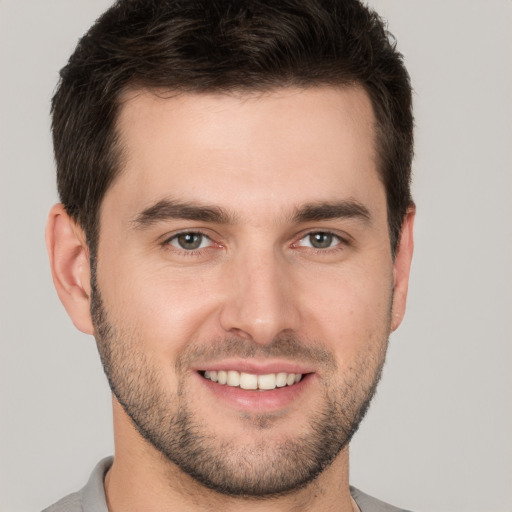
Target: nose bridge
(258, 304)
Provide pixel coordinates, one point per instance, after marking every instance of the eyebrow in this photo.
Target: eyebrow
(346, 209)
(167, 209)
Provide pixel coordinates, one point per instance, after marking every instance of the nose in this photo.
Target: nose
(259, 303)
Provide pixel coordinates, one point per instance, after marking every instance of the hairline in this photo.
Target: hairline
(129, 91)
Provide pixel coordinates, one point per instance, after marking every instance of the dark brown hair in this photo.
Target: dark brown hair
(224, 45)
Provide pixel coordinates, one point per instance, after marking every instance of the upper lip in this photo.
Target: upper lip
(257, 367)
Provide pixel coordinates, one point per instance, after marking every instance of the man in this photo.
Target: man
(236, 232)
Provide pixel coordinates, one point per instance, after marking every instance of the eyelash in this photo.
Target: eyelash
(189, 252)
(342, 243)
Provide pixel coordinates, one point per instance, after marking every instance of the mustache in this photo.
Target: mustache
(286, 346)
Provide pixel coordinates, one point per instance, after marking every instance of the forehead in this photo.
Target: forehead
(247, 151)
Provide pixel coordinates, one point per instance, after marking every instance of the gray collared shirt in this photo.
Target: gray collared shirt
(92, 497)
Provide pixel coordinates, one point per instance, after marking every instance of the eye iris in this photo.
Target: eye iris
(190, 241)
(321, 240)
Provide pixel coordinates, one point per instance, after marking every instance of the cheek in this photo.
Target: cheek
(167, 308)
(346, 307)
(349, 310)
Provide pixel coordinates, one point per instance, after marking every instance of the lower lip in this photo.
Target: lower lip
(258, 400)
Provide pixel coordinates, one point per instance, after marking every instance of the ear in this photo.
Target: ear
(402, 267)
(69, 261)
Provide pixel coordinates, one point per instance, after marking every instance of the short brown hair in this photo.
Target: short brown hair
(224, 45)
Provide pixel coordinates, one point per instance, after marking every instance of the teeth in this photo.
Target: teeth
(251, 381)
(281, 380)
(267, 381)
(233, 378)
(248, 381)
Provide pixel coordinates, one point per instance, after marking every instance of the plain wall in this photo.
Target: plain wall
(438, 436)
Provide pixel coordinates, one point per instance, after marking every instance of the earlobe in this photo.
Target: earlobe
(402, 267)
(69, 262)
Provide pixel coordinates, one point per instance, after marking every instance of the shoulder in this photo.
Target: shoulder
(70, 503)
(367, 503)
(89, 499)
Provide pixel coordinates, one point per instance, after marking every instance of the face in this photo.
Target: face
(244, 286)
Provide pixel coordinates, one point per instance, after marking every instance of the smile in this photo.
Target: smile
(245, 380)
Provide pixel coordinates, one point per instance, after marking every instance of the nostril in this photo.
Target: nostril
(240, 333)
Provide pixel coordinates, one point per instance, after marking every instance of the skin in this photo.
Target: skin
(260, 158)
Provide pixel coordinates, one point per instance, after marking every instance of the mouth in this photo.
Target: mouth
(251, 381)
(258, 386)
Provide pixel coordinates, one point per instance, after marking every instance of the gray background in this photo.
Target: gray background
(438, 436)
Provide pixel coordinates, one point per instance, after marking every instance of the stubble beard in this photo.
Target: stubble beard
(263, 469)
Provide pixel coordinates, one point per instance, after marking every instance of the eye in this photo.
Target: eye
(190, 241)
(319, 240)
